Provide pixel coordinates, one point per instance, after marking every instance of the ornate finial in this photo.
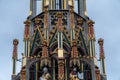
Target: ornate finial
(79, 21)
(90, 22)
(46, 9)
(37, 20)
(100, 42)
(27, 22)
(91, 29)
(71, 9)
(15, 42)
(26, 31)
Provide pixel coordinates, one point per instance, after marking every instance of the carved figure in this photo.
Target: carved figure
(46, 75)
(74, 74)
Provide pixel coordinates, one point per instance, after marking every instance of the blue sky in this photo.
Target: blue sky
(105, 13)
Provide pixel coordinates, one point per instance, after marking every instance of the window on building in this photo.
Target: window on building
(76, 6)
(38, 7)
(58, 4)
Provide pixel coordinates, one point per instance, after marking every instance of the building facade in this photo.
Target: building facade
(59, 43)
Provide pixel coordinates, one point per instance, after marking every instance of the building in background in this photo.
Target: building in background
(59, 43)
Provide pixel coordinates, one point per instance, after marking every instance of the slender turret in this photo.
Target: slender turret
(91, 37)
(14, 57)
(102, 59)
(27, 37)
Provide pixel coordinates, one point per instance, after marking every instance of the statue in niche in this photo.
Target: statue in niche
(74, 74)
(46, 75)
